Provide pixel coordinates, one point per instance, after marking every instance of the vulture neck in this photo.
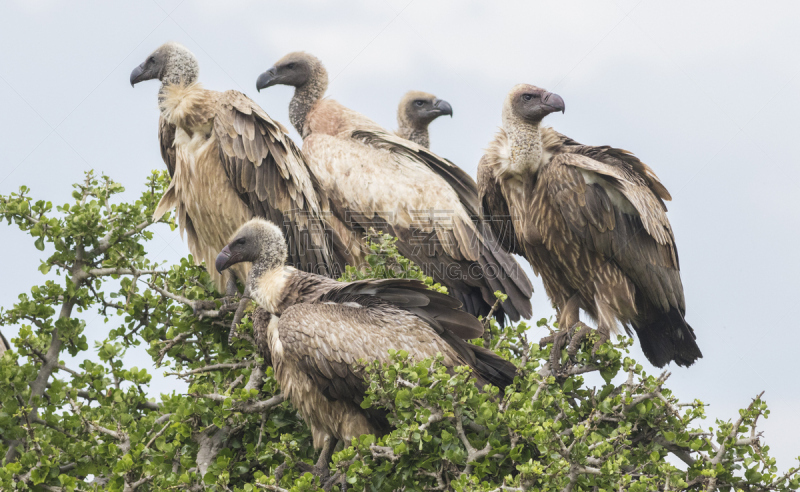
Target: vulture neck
(305, 96)
(174, 79)
(525, 148)
(416, 135)
(266, 284)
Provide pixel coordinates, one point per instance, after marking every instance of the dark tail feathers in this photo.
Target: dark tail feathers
(493, 369)
(667, 337)
(488, 367)
(502, 272)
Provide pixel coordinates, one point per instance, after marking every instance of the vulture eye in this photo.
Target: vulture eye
(290, 66)
(419, 103)
(241, 240)
(527, 97)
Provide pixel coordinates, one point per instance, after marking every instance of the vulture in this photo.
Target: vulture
(4, 345)
(229, 161)
(416, 111)
(592, 222)
(320, 328)
(374, 179)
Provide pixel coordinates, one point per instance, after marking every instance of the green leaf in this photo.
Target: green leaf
(403, 398)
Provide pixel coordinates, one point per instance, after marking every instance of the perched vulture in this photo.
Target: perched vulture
(229, 161)
(4, 345)
(416, 111)
(374, 179)
(592, 222)
(321, 328)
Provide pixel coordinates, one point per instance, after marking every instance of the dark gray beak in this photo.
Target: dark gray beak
(223, 259)
(267, 79)
(443, 107)
(136, 75)
(554, 101)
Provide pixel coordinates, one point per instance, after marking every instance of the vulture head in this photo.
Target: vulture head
(171, 63)
(295, 69)
(417, 109)
(531, 104)
(258, 241)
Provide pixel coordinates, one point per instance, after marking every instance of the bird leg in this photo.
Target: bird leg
(578, 337)
(231, 294)
(567, 319)
(321, 469)
(227, 306)
(558, 339)
(237, 318)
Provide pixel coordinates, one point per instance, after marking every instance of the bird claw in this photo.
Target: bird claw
(201, 306)
(577, 338)
(559, 340)
(237, 318)
(603, 339)
(320, 470)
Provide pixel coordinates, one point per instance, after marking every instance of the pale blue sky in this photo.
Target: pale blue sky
(705, 92)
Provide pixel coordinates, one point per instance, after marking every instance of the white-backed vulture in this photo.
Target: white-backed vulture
(229, 161)
(415, 112)
(374, 179)
(321, 328)
(592, 222)
(4, 345)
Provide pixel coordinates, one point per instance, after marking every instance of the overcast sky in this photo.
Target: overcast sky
(706, 93)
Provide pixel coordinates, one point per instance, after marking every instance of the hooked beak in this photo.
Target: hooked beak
(224, 259)
(267, 79)
(136, 75)
(553, 101)
(443, 107)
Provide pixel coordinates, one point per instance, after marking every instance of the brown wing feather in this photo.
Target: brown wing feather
(438, 310)
(609, 213)
(328, 339)
(495, 209)
(271, 176)
(166, 138)
(456, 177)
(620, 158)
(474, 242)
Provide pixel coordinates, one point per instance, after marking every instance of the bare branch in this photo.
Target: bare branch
(183, 300)
(103, 272)
(245, 407)
(712, 482)
(383, 452)
(472, 453)
(105, 242)
(436, 415)
(214, 367)
(158, 434)
(680, 452)
(131, 487)
(487, 334)
(273, 488)
(169, 344)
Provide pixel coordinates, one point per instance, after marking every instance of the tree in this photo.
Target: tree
(93, 426)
